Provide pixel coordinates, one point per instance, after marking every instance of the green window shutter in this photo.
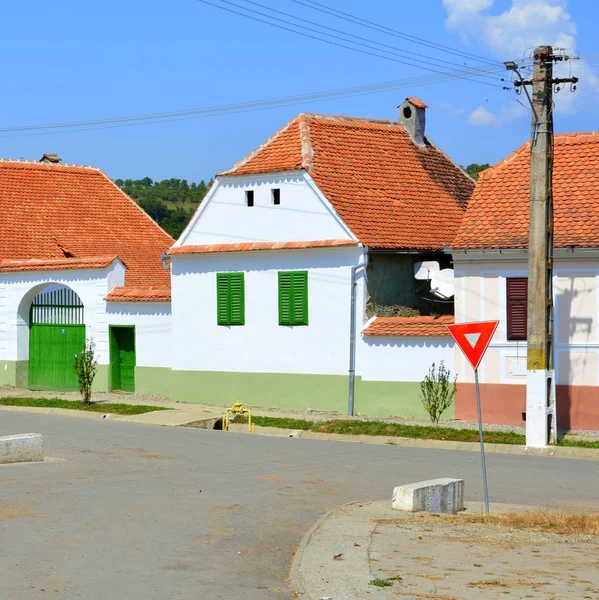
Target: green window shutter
(285, 282)
(222, 298)
(230, 299)
(236, 299)
(300, 298)
(293, 298)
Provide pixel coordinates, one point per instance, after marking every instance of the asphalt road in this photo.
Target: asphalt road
(137, 512)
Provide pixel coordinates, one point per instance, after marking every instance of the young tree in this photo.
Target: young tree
(437, 391)
(85, 366)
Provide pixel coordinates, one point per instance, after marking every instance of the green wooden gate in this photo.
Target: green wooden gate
(122, 358)
(56, 334)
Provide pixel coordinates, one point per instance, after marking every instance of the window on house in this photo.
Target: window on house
(249, 197)
(230, 299)
(517, 307)
(276, 196)
(293, 298)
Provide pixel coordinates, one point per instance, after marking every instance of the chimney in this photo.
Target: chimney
(412, 117)
(51, 158)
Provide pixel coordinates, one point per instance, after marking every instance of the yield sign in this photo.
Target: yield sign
(473, 339)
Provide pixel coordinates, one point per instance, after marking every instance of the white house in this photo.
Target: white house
(78, 259)
(491, 272)
(270, 302)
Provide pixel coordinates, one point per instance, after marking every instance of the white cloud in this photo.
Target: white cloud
(483, 117)
(513, 33)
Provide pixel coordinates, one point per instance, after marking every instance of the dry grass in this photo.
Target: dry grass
(559, 521)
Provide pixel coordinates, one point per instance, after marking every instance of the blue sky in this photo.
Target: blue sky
(71, 60)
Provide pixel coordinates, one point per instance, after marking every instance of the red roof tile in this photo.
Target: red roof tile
(390, 192)
(66, 212)
(60, 264)
(410, 326)
(257, 246)
(498, 213)
(150, 294)
(417, 102)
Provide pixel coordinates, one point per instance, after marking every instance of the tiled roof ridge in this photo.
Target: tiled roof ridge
(418, 326)
(261, 147)
(307, 150)
(37, 163)
(327, 117)
(453, 162)
(137, 206)
(524, 147)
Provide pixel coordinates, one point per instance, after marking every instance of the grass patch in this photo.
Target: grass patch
(426, 432)
(281, 422)
(381, 583)
(118, 409)
(563, 522)
(577, 443)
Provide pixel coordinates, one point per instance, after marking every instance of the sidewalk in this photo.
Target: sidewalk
(205, 417)
(417, 555)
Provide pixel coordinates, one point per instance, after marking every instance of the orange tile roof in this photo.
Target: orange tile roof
(58, 264)
(417, 102)
(70, 212)
(150, 294)
(257, 246)
(410, 326)
(389, 191)
(498, 213)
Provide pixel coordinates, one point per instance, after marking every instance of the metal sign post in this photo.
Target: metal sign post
(473, 340)
(482, 443)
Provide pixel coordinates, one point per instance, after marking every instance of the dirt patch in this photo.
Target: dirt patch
(480, 558)
(16, 511)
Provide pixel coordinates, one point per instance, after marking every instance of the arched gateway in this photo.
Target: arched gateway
(57, 333)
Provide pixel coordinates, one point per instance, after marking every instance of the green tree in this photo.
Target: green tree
(474, 169)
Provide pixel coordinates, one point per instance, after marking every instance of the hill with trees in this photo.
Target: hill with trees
(474, 169)
(170, 202)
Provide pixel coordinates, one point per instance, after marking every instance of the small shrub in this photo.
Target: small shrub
(437, 391)
(85, 366)
(381, 583)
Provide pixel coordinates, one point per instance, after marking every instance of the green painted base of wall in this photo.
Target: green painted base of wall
(102, 379)
(297, 392)
(153, 380)
(268, 390)
(14, 373)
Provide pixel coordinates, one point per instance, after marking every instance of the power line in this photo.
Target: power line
(371, 25)
(351, 35)
(335, 43)
(196, 113)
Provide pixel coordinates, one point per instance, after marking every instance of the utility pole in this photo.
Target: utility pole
(541, 413)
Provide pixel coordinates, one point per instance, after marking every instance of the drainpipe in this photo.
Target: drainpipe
(352, 333)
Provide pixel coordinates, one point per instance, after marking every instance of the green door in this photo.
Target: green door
(51, 352)
(122, 358)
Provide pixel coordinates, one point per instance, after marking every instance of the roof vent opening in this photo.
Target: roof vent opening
(51, 158)
(412, 115)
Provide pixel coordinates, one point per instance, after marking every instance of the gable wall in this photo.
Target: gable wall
(301, 216)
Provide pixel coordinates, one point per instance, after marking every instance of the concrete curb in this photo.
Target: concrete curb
(21, 448)
(553, 451)
(296, 584)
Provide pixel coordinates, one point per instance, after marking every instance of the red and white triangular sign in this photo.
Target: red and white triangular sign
(473, 339)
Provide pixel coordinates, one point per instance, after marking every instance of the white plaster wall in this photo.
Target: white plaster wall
(481, 295)
(261, 345)
(402, 358)
(17, 291)
(152, 322)
(302, 215)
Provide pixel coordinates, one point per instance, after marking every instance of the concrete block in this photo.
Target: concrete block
(25, 447)
(435, 496)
